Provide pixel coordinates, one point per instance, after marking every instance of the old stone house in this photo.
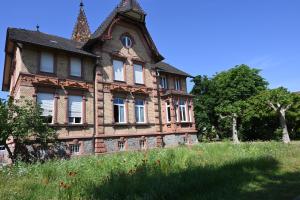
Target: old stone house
(105, 91)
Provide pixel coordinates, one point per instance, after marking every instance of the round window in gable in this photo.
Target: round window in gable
(127, 41)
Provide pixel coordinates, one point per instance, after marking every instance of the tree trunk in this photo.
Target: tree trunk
(10, 154)
(285, 132)
(234, 129)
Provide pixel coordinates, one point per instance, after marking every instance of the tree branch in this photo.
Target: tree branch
(272, 106)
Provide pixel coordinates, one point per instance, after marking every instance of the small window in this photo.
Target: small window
(138, 74)
(74, 149)
(121, 146)
(47, 62)
(46, 102)
(118, 70)
(168, 110)
(177, 84)
(185, 140)
(143, 145)
(126, 41)
(182, 109)
(119, 110)
(75, 67)
(2, 148)
(139, 111)
(75, 109)
(163, 82)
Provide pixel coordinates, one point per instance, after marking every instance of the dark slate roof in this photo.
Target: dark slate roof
(165, 67)
(124, 6)
(46, 40)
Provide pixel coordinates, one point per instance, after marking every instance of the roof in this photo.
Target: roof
(165, 67)
(127, 5)
(43, 39)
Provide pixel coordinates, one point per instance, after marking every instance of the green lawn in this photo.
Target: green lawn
(205, 171)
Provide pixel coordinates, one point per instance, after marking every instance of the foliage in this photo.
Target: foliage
(22, 121)
(205, 171)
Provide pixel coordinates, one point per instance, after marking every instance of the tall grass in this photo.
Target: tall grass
(205, 171)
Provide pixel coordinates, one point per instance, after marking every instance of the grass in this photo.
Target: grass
(205, 171)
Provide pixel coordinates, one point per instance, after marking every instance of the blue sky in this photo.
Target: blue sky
(198, 36)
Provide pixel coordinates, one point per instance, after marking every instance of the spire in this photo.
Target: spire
(81, 32)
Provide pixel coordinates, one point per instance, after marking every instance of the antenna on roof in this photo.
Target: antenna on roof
(37, 28)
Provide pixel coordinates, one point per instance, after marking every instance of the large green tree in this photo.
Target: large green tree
(22, 122)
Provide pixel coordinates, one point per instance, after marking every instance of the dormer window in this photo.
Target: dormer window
(126, 41)
(75, 67)
(47, 62)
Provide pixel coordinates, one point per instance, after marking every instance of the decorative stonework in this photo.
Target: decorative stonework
(81, 32)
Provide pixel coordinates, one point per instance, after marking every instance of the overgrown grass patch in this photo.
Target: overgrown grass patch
(205, 171)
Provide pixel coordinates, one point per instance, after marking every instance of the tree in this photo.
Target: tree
(232, 89)
(21, 122)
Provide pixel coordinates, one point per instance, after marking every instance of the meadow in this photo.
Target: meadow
(206, 171)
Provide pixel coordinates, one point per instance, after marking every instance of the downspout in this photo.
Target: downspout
(159, 101)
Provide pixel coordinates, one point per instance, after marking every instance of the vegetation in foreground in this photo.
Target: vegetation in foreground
(205, 171)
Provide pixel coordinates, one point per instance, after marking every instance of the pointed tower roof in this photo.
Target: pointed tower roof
(81, 32)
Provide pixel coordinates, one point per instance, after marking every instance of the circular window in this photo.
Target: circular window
(126, 41)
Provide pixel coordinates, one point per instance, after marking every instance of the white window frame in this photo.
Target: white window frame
(119, 110)
(50, 98)
(168, 108)
(121, 145)
(120, 71)
(73, 64)
(138, 70)
(190, 111)
(182, 107)
(163, 82)
(71, 117)
(126, 41)
(74, 149)
(177, 84)
(46, 65)
(138, 113)
(176, 107)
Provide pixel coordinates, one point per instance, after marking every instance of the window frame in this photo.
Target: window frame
(123, 68)
(178, 84)
(183, 107)
(73, 147)
(168, 112)
(139, 107)
(121, 145)
(163, 82)
(70, 67)
(143, 73)
(143, 145)
(127, 38)
(53, 62)
(46, 118)
(73, 121)
(119, 110)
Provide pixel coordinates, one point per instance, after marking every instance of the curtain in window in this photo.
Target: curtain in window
(47, 62)
(46, 101)
(75, 106)
(138, 74)
(118, 70)
(75, 67)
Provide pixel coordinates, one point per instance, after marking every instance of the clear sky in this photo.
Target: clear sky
(197, 36)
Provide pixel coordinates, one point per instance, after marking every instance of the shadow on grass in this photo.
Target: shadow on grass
(245, 179)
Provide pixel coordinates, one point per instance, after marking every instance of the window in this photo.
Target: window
(126, 41)
(2, 148)
(46, 101)
(75, 109)
(190, 111)
(47, 62)
(168, 108)
(176, 111)
(119, 110)
(182, 108)
(177, 84)
(139, 111)
(75, 67)
(118, 70)
(138, 74)
(121, 145)
(74, 149)
(185, 140)
(143, 144)
(163, 82)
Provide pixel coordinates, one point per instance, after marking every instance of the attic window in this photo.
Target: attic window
(126, 41)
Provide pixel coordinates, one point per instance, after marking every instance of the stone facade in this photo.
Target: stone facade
(99, 133)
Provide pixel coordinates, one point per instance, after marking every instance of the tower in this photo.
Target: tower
(81, 32)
